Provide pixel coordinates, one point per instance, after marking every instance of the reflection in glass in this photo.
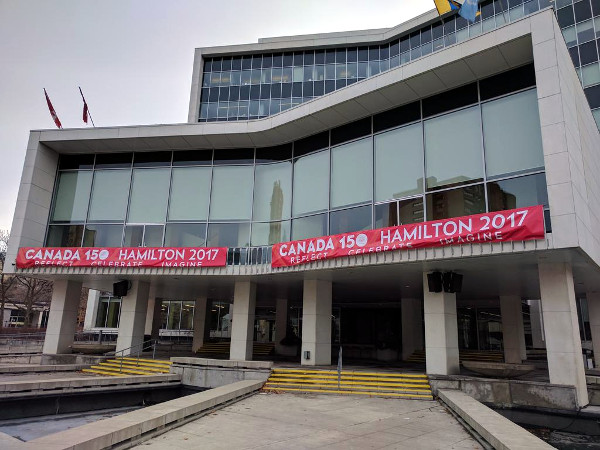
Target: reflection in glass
(453, 148)
(272, 191)
(386, 215)
(187, 316)
(174, 317)
(153, 235)
(399, 163)
(109, 195)
(185, 235)
(307, 227)
(270, 233)
(103, 235)
(347, 220)
(456, 202)
(518, 192)
(190, 189)
(311, 183)
(149, 195)
(352, 173)
(411, 210)
(228, 235)
(231, 196)
(64, 236)
(72, 196)
(134, 236)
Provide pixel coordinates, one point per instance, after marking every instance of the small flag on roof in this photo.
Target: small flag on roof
(466, 8)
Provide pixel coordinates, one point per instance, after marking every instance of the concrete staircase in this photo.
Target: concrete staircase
(221, 349)
(375, 384)
(130, 366)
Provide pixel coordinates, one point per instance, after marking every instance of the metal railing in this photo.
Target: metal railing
(21, 342)
(95, 337)
(151, 343)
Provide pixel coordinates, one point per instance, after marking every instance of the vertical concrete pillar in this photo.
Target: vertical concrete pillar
(593, 301)
(441, 331)
(537, 324)
(133, 318)
(149, 316)
(281, 321)
(156, 319)
(201, 326)
(242, 326)
(513, 331)
(91, 310)
(62, 321)
(412, 326)
(316, 322)
(563, 344)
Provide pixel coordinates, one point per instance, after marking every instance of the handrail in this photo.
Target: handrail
(141, 346)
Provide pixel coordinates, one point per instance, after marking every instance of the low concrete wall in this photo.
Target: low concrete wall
(509, 393)
(211, 373)
(593, 383)
(35, 368)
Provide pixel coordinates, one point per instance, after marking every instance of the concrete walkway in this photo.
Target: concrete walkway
(291, 421)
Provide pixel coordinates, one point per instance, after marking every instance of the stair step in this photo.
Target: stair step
(349, 383)
(373, 394)
(121, 371)
(348, 387)
(351, 373)
(103, 372)
(134, 367)
(153, 361)
(141, 365)
(352, 377)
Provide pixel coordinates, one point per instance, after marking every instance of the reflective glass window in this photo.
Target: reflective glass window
(149, 195)
(272, 191)
(456, 202)
(308, 227)
(103, 235)
(231, 195)
(228, 235)
(353, 219)
(352, 173)
(453, 148)
(399, 162)
(192, 158)
(386, 215)
(153, 235)
(190, 190)
(134, 236)
(269, 233)
(185, 235)
(234, 156)
(64, 236)
(411, 210)
(512, 134)
(311, 183)
(72, 196)
(113, 160)
(76, 162)
(518, 192)
(110, 193)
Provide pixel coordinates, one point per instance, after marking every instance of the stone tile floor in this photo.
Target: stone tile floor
(301, 421)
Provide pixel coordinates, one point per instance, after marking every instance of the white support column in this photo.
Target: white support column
(91, 310)
(316, 322)
(149, 316)
(133, 318)
(63, 317)
(281, 320)
(412, 326)
(537, 324)
(513, 331)
(201, 327)
(563, 344)
(441, 331)
(593, 301)
(242, 326)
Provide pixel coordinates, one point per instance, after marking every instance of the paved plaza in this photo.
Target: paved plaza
(293, 421)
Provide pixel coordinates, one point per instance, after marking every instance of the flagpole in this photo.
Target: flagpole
(88, 108)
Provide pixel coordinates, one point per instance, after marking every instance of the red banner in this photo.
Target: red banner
(513, 225)
(121, 257)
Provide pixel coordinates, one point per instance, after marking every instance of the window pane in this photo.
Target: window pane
(352, 173)
(190, 190)
(453, 148)
(513, 140)
(72, 196)
(231, 197)
(174, 315)
(64, 236)
(411, 211)
(109, 195)
(134, 236)
(149, 195)
(307, 227)
(386, 215)
(272, 191)
(153, 235)
(113, 316)
(346, 220)
(185, 235)
(518, 192)
(103, 235)
(399, 163)
(228, 235)
(456, 202)
(270, 233)
(102, 312)
(311, 183)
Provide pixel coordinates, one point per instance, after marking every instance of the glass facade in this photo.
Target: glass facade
(366, 174)
(109, 312)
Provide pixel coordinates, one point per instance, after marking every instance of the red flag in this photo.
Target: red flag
(52, 111)
(85, 111)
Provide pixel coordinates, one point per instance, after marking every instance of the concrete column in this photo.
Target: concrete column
(242, 324)
(316, 322)
(62, 321)
(201, 326)
(156, 319)
(133, 318)
(412, 326)
(149, 316)
(537, 324)
(563, 344)
(441, 331)
(593, 301)
(91, 310)
(281, 321)
(513, 331)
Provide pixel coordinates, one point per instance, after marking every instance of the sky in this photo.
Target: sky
(133, 58)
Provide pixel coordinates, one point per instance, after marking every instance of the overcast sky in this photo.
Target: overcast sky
(133, 58)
